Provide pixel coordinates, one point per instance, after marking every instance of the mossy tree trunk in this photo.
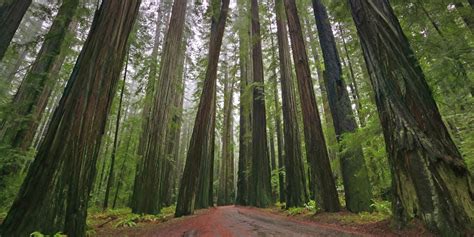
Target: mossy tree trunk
(15, 129)
(430, 180)
(296, 193)
(325, 191)
(203, 123)
(260, 193)
(245, 147)
(355, 177)
(66, 158)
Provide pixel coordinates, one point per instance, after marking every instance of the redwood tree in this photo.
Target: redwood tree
(146, 191)
(316, 152)
(296, 193)
(204, 117)
(245, 147)
(66, 158)
(18, 129)
(354, 172)
(260, 193)
(430, 180)
(11, 13)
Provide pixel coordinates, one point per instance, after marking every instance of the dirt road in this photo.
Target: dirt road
(238, 221)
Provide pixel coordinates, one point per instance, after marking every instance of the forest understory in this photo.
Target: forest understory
(236, 118)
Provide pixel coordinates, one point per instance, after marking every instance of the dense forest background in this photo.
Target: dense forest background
(191, 104)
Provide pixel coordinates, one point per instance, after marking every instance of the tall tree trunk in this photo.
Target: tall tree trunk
(317, 155)
(201, 130)
(11, 13)
(23, 109)
(296, 193)
(430, 180)
(245, 120)
(354, 172)
(150, 87)
(76, 129)
(330, 134)
(172, 135)
(260, 193)
(353, 84)
(110, 181)
(226, 173)
(147, 196)
(277, 119)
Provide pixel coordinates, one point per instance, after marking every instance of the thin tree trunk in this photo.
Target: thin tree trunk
(353, 84)
(430, 180)
(77, 126)
(296, 193)
(277, 119)
(226, 172)
(317, 155)
(354, 172)
(11, 13)
(110, 181)
(122, 168)
(104, 155)
(201, 130)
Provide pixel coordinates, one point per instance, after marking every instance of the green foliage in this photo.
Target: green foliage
(275, 181)
(384, 207)
(38, 234)
(311, 206)
(130, 221)
(293, 211)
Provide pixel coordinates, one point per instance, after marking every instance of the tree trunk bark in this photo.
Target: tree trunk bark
(296, 193)
(226, 172)
(150, 87)
(317, 155)
(430, 180)
(147, 194)
(245, 147)
(277, 120)
(201, 131)
(29, 101)
(11, 13)
(77, 126)
(260, 194)
(353, 84)
(354, 172)
(172, 137)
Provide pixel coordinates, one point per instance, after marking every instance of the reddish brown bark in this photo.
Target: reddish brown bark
(325, 191)
(202, 132)
(70, 147)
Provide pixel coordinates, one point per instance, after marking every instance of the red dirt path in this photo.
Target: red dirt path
(232, 221)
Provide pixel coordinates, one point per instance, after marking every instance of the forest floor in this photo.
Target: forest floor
(244, 221)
